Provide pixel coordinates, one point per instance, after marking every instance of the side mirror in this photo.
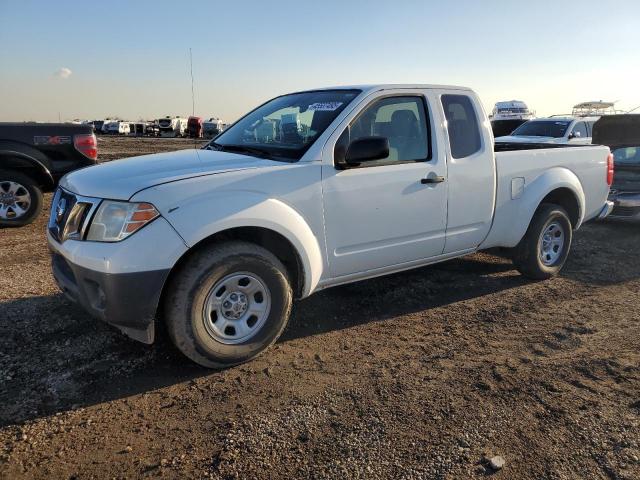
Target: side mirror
(574, 135)
(367, 149)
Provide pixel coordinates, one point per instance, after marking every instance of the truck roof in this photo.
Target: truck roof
(568, 118)
(389, 86)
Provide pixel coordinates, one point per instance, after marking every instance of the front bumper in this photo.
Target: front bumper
(119, 283)
(126, 300)
(625, 206)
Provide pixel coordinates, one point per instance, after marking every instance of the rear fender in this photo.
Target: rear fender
(513, 215)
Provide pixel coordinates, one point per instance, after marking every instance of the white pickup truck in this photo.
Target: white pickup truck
(307, 191)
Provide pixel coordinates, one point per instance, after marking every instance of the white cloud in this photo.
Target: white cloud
(63, 73)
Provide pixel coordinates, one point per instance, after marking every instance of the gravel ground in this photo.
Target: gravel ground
(425, 374)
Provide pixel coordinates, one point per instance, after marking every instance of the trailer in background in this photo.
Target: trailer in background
(137, 129)
(152, 129)
(118, 127)
(212, 127)
(172, 126)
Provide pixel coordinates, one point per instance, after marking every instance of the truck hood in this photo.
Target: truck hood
(524, 139)
(121, 179)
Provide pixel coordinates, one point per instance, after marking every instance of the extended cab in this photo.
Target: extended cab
(33, 157)
(310, 190)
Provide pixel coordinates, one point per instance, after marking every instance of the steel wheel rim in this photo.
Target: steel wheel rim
(15, 200)
(551, 244)
(236, 308)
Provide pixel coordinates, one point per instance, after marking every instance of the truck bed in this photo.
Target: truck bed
(521, 176)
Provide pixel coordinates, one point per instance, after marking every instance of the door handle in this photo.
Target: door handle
(431, 180)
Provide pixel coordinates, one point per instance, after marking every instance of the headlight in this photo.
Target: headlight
(115, 221)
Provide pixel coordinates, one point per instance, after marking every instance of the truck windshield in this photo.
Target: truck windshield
(542, 128)
(285, 127)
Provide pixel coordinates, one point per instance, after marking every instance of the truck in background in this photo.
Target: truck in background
(553, 130)
(195, 127)
(33, 158)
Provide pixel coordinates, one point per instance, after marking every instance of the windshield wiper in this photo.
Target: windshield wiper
(212, 146)
(258, 152)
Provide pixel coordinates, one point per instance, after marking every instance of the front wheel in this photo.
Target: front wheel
(543, 250)
(20, 199)
(227, 304)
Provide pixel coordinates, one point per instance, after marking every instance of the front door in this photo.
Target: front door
(382, 214)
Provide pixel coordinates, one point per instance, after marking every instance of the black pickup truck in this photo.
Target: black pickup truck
(33, 158)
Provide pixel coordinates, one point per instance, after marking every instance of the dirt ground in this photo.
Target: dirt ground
(424, 374)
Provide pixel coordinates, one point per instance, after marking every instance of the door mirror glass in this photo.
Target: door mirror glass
(367, 149)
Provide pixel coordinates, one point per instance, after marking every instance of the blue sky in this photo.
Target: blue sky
(131, 59)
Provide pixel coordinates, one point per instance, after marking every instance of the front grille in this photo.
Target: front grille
(70, 215)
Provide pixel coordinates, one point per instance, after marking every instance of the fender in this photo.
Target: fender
(14, 154)
(195, 220)
(513, 216)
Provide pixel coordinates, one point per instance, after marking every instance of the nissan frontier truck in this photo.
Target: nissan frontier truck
(308, 191)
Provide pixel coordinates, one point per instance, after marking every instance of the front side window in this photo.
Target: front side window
(285, 127)
(580, 130)
(402, 120)
(462, 123)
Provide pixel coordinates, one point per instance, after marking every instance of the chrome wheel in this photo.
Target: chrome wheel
(236, 308)
(15, 200)
(551, 243)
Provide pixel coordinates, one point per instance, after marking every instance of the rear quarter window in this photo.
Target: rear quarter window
(462, 123)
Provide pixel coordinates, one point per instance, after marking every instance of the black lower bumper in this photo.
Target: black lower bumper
(128, 301)
(626, 205)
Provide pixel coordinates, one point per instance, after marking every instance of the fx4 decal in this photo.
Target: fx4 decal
(52, 140)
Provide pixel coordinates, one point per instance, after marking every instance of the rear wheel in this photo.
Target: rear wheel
(543, 250)
(228, 304)
(20, 199)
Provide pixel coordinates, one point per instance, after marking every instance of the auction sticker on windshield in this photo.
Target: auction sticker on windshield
(324, 106)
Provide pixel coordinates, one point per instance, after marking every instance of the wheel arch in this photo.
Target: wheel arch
(566, 198)
(267, 238)
(11, 159)
(513, 216)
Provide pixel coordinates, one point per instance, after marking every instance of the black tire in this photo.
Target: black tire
(35, 194)
(527, 255)
(191, 286)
